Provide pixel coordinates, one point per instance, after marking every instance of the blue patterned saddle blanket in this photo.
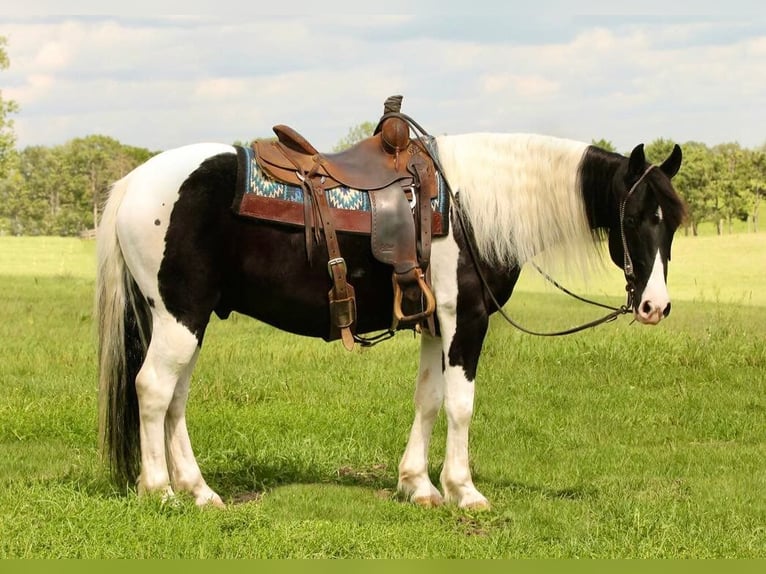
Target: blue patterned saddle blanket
(261, 197)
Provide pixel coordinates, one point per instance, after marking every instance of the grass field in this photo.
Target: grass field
(625, 441)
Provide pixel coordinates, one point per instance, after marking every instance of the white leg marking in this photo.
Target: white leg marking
(458, 392)
(170, 352)
(414, 482)
(655, 298)
(456, 480)
(184, 471)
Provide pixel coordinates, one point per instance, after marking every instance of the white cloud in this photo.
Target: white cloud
(165, 82)
(524, 86)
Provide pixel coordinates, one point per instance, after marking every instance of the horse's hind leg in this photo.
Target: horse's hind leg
(162, 382)
(184, 471)
(414, 482)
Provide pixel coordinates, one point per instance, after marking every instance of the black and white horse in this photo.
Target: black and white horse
(171, 252)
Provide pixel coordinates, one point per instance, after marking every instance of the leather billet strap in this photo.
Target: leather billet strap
(317, 213)
(341, 296)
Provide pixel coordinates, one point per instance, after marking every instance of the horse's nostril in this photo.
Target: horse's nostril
(646, 308)
(666, 311)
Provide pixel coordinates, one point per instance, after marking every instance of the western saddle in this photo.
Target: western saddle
(399, 176)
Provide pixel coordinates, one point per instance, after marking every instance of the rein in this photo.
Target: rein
(627, 261)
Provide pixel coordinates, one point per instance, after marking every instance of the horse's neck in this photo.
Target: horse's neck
(597, 176)
(520, 193)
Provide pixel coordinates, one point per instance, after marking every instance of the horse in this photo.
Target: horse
(171, 252)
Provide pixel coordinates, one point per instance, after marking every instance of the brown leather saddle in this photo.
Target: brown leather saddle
(396, 172)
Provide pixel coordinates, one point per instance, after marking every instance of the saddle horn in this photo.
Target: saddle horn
(395, 133)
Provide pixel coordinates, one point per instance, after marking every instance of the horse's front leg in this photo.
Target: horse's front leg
(414, 482)
(462, 346)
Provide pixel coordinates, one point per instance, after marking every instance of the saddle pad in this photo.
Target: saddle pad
(260, 197)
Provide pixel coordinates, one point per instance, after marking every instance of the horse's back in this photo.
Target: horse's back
(167, 170)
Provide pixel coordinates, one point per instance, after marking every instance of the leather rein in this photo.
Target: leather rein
(627, 261)
(628, 269)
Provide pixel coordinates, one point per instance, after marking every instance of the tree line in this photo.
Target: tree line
(59, 190)
(720, 184)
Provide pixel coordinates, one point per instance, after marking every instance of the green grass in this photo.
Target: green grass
(625, 441)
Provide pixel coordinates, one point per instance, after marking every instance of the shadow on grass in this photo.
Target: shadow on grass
(243, 483)
(248, 480)
(579, 491)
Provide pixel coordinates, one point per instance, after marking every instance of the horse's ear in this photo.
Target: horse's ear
(671, 165)
(637, 163)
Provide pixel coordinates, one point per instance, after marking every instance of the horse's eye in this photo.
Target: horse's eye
(629, 221)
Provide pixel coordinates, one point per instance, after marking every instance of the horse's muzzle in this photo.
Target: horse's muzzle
(650, 313)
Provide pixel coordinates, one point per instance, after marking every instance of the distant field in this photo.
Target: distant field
(47, 256)
(704, 269)
(709, 268)
(624, 441)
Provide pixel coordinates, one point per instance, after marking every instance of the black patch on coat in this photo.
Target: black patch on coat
(190, 273)
(218, 262)
(474, 305)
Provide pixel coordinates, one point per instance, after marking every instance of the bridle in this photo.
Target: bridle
(627, 262)
(628, 269)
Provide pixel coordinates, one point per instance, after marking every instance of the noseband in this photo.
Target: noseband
(627, 267)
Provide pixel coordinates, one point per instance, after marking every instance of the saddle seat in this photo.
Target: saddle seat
(373, 163)
(394, 170)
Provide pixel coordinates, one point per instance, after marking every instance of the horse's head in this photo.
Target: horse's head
(644, 217)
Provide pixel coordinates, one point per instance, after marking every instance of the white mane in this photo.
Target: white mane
(522, 196)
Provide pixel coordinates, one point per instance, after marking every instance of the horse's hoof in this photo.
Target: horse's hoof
(431, 501)
(467, 498)
(480, 505)
(211, 500)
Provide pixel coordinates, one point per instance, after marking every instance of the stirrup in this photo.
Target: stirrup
(399, 315)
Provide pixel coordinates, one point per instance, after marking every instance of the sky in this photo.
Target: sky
(162, 81)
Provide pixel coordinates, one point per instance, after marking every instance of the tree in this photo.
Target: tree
(59, 190)
(355, 135)
(755, 178)
(7, 137)
(728, 190)
(659, 150)
(692, 182)
(93, 164)
(11, 183)
(41, 200)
